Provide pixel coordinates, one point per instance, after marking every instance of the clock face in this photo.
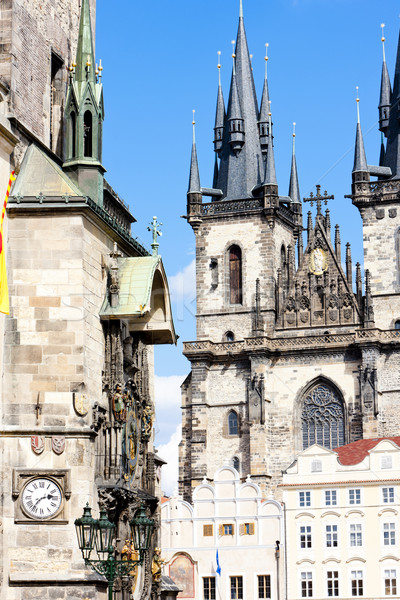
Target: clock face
(41, 498)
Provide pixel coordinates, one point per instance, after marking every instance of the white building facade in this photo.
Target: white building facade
(342, 521)
(232, 519)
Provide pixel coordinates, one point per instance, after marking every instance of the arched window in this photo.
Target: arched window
(232, 423)
(235, 275)
(322, 418)
(397, 325)
(236, 463)
(73, 134)
(87, 133)
(229, 336)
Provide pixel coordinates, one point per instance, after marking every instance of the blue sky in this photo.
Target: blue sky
(159, 62)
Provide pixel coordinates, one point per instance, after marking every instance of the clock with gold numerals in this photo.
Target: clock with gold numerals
(41, 498)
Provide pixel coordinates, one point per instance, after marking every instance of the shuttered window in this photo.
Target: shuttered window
(207, 530)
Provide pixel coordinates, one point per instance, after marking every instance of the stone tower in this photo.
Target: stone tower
(283, 356)
(87, 304)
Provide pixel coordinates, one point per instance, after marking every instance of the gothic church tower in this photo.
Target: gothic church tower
(283, 355)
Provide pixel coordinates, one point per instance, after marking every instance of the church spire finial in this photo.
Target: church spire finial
(194, 176)
(264, 109)
(270, 172)
(294, 191)
(386, 90)
(219, 114)
(241, 9)
(360, 160)
(85, 64)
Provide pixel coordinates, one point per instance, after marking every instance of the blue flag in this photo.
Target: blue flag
(218, 569)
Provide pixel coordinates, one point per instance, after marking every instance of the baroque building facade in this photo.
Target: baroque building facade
(290, 350)
(87, 305)
(342, 521)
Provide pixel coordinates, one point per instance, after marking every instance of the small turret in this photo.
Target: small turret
(338, 250)
(84, 114)
(220, 114)
(270, 181)
(360, 167)
(294, 190)
(194, 175)
(349, 272)
(263, 120)
(386, 92)
(235, 119)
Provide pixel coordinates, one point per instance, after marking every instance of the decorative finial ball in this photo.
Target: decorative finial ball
(382, 25)
(383, 38)
(219, 53)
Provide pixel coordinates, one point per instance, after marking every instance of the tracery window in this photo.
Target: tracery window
(322, 418)
(235, 275)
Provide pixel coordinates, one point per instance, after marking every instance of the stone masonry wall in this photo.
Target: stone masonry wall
(30, 32)
(381, 239)
(260, 247)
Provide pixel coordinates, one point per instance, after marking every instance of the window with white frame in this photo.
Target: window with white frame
(316, 466)
(331, 536)
(357, 583)
(304, 499)
(305, 536)
(355, 496)
(390, 582)
(355, 534)
(330, 498)
(264, 587)
(332, 581)
(389, 534)
(388, 495)
(306, 584)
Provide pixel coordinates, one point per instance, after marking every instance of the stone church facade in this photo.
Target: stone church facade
(87, 305)
(291, 349)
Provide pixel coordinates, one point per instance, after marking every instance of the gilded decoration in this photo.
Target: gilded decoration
(318, 261)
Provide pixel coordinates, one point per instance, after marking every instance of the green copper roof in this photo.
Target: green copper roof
(135, 284)
(41, 175)
(85, 52)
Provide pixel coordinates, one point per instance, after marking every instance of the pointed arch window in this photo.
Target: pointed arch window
(236, 463)
(233, 428)
(322, 418)
(235, 275)
(73, 134)
(87, 134)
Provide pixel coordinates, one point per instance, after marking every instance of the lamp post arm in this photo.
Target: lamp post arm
(111, 569)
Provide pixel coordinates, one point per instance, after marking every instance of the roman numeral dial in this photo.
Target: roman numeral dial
(41, 498)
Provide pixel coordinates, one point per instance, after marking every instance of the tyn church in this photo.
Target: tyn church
(291, 348)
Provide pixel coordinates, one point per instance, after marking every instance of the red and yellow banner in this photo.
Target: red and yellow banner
(4, 302)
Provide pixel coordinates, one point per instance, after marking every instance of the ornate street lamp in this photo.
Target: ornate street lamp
(100, 535)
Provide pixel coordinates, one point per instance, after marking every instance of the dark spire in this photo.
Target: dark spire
(240, 172)
(382, 153)
(270, 173)
(235, 120)
(360, 160)
(194, 176)
(386, 92)
(263, 121)
(294, 190)
(215, 177)
(219, 114)
(392, 158)
(328, 222)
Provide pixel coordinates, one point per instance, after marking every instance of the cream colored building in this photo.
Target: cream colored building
(232, 518)
(342, 521)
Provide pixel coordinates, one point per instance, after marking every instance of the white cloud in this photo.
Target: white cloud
(167, 391)
(182, 287)
(169, 452)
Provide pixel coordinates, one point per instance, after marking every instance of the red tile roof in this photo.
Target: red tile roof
(353, 453)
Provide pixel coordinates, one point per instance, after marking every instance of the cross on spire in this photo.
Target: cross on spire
(318, 198)
(153, 226)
